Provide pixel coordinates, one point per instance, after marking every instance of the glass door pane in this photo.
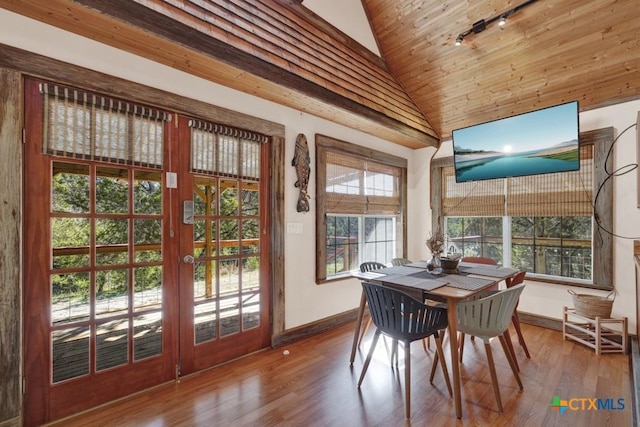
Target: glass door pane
(227, 311)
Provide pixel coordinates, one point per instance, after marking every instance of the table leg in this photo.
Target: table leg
(356, 335)
(455, 362)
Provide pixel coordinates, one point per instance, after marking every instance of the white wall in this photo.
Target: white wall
(547, 299)
(348, 16)
(306, 301)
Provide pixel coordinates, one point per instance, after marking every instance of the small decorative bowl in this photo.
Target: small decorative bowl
(449, 265)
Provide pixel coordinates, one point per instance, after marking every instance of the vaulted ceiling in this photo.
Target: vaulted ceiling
(423, 87)
(549, 52)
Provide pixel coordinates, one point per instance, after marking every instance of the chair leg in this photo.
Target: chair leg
(368, 360)
(442, 333)
(507, 338)
(426, 343)
(364, 331)
(516, 325)
(407, 379)
(494, 377)
(394, 352)
(511, 360)
(445, 371)
(461, 345)
(433, 367)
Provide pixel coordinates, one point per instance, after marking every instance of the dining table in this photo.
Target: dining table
(448, 287)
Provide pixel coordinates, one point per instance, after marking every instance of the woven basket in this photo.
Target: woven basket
(592, 306)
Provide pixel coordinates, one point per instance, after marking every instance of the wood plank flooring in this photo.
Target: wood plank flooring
(314, 386)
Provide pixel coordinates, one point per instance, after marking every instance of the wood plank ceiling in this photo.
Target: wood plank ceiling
(550, 52)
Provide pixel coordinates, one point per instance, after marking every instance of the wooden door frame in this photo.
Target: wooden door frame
(11, 112)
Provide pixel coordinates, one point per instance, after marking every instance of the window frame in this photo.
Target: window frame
(326, 144)
(602, 239)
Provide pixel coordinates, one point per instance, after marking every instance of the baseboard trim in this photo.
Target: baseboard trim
(12, 422)
(322, 325)
(313, 328)
(542, 321)
(635, 378)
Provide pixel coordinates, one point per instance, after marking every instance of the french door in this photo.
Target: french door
(137, 267)
(223, 245)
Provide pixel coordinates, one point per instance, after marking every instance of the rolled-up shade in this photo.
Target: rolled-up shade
(475, 198)
(554, 194)
(84, 125)
(225, 151)
(355, 185)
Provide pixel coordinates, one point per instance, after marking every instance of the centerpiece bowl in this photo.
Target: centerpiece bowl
(449, 265)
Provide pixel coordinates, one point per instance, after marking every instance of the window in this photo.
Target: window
(361, 199)
(475, 237)
(541, 223)
(553, 246)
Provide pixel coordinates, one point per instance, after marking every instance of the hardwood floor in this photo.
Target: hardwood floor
(314, 386)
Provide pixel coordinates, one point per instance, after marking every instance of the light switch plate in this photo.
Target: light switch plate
(172, 180)
(294, 228)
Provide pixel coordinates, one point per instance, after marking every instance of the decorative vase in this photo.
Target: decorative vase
(434, 265)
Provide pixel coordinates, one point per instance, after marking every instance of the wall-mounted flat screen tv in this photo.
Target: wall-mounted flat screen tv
(541, 141)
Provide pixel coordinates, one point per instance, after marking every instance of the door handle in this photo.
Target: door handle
(188, 259)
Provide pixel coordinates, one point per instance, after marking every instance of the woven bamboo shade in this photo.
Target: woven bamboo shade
(555, 194)
(358, 186)
(225, 151)
(476, 198)
(84, 125)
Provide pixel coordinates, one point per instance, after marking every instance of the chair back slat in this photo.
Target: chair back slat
(517, 279)
(400, 261)
(488, 316)
(397, 314)
(371, 265)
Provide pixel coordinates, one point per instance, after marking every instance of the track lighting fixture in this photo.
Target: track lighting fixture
(482, 24)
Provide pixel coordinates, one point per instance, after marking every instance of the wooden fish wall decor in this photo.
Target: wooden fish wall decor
(301, 162)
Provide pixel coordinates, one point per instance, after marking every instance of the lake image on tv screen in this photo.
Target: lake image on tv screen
(543, 141)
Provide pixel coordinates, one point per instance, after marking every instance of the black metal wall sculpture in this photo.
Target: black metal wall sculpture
(301, 162)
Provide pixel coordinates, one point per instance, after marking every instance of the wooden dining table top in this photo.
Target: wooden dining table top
(468, 278)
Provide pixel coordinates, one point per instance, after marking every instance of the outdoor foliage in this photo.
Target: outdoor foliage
(557, 246)
(71, 236)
